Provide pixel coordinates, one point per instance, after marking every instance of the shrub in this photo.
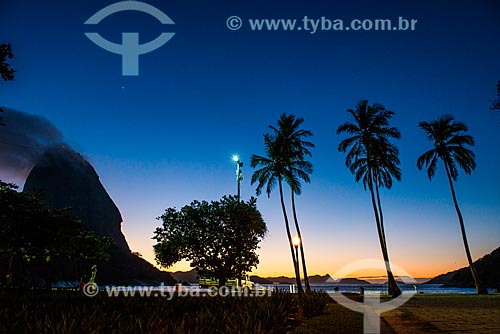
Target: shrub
(39, 311)
(314, 302)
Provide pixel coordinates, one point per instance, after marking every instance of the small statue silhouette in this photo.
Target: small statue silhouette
(94, 273)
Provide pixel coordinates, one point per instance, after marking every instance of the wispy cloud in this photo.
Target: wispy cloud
(23, 139)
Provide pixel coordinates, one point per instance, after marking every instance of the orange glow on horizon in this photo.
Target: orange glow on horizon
(283, 268)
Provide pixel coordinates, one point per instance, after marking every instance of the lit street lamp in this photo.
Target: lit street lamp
(296, 243)
(239, 175)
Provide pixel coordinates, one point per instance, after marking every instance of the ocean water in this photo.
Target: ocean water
(382, 288)
(354, 288)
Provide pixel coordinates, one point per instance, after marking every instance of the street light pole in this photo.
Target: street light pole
(239, 175)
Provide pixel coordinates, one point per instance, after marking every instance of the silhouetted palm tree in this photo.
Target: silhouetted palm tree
(294, 149)
(272, 171)
(385, 166)
(449, 140)
(373, 159)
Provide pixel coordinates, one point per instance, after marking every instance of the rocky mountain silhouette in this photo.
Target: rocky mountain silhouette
(487, 267)
(69, 181)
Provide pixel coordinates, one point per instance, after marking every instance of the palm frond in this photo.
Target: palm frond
(449, 143)
(348, 128)
(369, 150)
(285, 151)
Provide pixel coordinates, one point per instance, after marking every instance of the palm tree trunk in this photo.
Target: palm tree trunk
(380, 214)
(480, 288)
(392, 287)
(287, 225)
(304, 269)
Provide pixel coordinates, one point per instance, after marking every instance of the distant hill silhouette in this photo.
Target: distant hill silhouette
(260, 280)
(399, 280)
(315, 279)
(280, 280)
(348, 281)
(186, 276)
(488, 269)
(192, 277)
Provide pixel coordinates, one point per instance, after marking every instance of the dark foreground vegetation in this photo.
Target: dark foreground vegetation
(39, 311)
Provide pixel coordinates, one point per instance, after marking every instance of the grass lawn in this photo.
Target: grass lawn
(336, 320)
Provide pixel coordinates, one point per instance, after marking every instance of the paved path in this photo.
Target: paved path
(447, 314)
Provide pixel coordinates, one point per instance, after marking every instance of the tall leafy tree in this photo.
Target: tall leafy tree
(31, 232)
(450, 141)
(373, 159)
(7, 73)
(219, 238)
(294, 148)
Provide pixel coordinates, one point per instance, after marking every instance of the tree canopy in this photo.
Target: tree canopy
(219, 238)
(286, 150)
(33, 232)
(449, 140)
(7, 73)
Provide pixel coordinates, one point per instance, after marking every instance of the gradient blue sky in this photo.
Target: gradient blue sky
(166, 137)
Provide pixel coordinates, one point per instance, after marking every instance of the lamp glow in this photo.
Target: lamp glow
(236, 158)
(296, 241)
